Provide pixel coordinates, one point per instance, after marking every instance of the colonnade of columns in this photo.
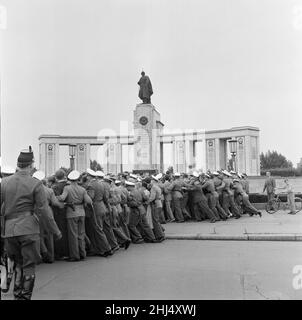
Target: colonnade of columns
(202, 150)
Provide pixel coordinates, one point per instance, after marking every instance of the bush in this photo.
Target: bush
(283, 172)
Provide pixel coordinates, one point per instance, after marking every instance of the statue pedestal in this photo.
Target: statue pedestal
(147, 130)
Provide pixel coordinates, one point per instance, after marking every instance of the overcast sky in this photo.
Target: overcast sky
(71, 67)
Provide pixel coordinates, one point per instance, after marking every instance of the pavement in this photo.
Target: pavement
(279, 226)
(178, 270)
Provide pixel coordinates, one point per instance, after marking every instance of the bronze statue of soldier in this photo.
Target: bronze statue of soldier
(145, 90)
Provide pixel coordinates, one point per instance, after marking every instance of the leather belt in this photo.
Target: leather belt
(18, 215)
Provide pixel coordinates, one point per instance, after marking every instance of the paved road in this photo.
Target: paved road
(178, 269)
(277, 223)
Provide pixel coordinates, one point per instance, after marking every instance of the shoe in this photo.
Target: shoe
(116, 248)
(237, 217)
(180, 221)
(72, 260)
(139, 241)
(105, 254)
(28, 286)
(213, 220)
(127, 244)
(292, 213)
(260, 214)
(149, 241)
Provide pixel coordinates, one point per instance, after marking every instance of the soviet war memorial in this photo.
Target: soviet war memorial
(153, 162)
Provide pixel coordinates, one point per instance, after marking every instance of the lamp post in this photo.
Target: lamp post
(233, 149)
(72, 148)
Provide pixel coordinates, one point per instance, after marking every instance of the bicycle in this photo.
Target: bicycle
(277, 204)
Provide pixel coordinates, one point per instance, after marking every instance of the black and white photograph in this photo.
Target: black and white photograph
(151, 152)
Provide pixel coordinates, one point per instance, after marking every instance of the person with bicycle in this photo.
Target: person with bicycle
(269, 186)
(290, 196)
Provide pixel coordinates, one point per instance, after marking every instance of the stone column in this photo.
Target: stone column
(211, 156)
(51, 158)
(42, 156)
(241, 165)
(118, 158)
(258, 158)
(247, 155)
(81, 158)
(217, 154)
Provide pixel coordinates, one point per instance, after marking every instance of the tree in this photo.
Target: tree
(273, 159)
(94, 165)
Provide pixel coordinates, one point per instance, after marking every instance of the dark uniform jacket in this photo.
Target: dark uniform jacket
(96, 192)
(76, 195)
(21, 196)
(197, 193)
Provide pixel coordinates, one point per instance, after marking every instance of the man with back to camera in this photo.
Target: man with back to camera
(21, 196)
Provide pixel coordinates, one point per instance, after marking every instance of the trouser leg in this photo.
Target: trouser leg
(178, 211)
(220, 210)
(73, 238)
(234, 209)
(197, 212)
(248, 206)
(157, 229)
(108, 231)
(100, 244)
(270, 197)
(134, 219)
(49, 243)
(29, 252)
(123, 222)
(205, 209)
(81, 237)
(169, 210)
(161, 216)
(212, 205)
(291, 202)
(226, 203)
(143, 223)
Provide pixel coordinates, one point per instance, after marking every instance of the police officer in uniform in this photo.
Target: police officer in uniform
(156, 207)
(21, 196)
(78, 197)
(200, 202)
(49, 228)
(7, 265)
(94, 228)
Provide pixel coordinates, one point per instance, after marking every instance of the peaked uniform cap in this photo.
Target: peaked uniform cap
(129, 183)
(40, 175)
(91, 172)
(8, 170)
(99, 173)
(195, 174)
(74, 175)
(154, 178)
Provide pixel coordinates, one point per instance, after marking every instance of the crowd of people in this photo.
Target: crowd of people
(75, 215)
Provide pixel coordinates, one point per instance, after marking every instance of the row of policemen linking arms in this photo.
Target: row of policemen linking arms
(93, 214)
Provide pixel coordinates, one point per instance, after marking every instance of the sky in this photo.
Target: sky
(71, 67)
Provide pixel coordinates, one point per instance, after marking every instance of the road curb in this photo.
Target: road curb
(239, 237)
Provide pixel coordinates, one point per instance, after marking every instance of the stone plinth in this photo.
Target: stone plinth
(147, 129)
